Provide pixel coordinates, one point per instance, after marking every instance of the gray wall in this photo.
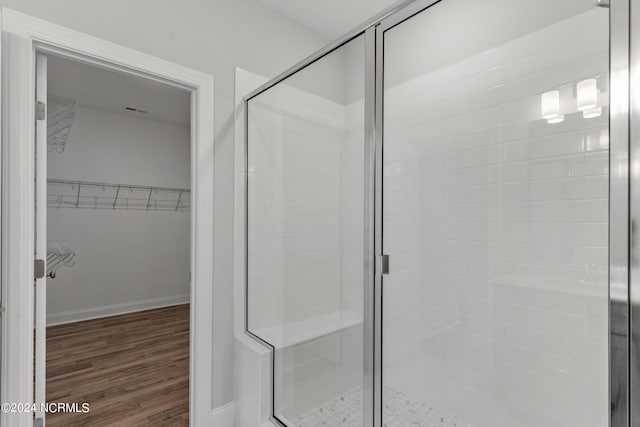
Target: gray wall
(213, 36)
(126, 259)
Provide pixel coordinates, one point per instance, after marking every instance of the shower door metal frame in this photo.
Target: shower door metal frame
(406, 12)
(372, 339)
(624, 177)
(372, 298)
(620, 216)
(367, 31)
(624, 153)
(625, 25)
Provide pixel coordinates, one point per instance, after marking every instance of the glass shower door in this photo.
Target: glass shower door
(495, 215)
(305, 234)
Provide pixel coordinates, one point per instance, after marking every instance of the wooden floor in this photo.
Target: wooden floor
(132, 369)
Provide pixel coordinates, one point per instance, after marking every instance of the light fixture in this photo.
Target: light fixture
(593, 113)
(557, 119)
(550, 105)
(587, 94)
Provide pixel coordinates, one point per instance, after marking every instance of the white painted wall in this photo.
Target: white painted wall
(126, 260)
(213, 37)
(110, 147)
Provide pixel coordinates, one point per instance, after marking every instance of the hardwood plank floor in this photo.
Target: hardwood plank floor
(132, 369)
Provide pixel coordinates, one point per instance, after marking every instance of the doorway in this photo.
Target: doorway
(116, 207)
(24, 38)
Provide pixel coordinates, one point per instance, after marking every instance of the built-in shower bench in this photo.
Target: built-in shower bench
(294, 333)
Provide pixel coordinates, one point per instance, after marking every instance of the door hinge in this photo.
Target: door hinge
(38, 268)
(39, 422)
(382, 266)
(41, 110)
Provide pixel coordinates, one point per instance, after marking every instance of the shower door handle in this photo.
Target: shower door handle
(382, 264)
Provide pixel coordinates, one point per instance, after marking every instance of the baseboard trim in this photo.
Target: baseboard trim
(224, 416)
(113, 310)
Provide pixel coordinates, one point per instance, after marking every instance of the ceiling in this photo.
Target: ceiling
(330, 18)
(112, 91)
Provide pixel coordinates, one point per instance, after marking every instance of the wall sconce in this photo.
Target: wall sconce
(587, 95)
(593, 113)
(550, 107)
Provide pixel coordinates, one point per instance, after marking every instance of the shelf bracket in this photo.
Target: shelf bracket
(149, 199)
(179, 199)
(78, 196)
(115, 201)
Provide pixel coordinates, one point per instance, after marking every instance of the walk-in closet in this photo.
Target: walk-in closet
(118, 243)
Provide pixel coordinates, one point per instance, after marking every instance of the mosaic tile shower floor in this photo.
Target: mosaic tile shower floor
(400, 411)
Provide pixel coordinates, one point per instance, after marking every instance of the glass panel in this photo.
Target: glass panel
(305, 236)
(495, 215)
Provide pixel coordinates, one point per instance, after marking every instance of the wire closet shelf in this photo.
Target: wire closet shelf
(99, 195)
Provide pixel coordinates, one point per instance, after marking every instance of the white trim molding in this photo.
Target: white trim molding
(114, 310)
(224, 416)
(22, 37)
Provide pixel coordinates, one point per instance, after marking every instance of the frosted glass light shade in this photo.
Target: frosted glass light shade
(594, 112)
(557, 119)
(550, 104)
(587, 94)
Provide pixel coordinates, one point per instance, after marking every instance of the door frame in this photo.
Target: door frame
(22, 37)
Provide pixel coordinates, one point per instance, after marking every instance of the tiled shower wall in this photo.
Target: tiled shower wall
(325, 367)
(318, 371)
(353, 203)
(306, 189)
(496, 224)
(294, 207)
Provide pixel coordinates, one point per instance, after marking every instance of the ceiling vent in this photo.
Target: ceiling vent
(136, 110)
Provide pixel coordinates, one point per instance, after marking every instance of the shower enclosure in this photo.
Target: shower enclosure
(439, 219)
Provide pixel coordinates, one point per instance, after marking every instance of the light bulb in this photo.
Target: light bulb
(550, 105)
(587, 94)
(594, 112)
(557, 119)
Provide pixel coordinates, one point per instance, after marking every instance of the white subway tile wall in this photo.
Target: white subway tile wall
(496, 223)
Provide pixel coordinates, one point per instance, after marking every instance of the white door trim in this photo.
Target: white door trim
(22, 36)
(40, 342)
